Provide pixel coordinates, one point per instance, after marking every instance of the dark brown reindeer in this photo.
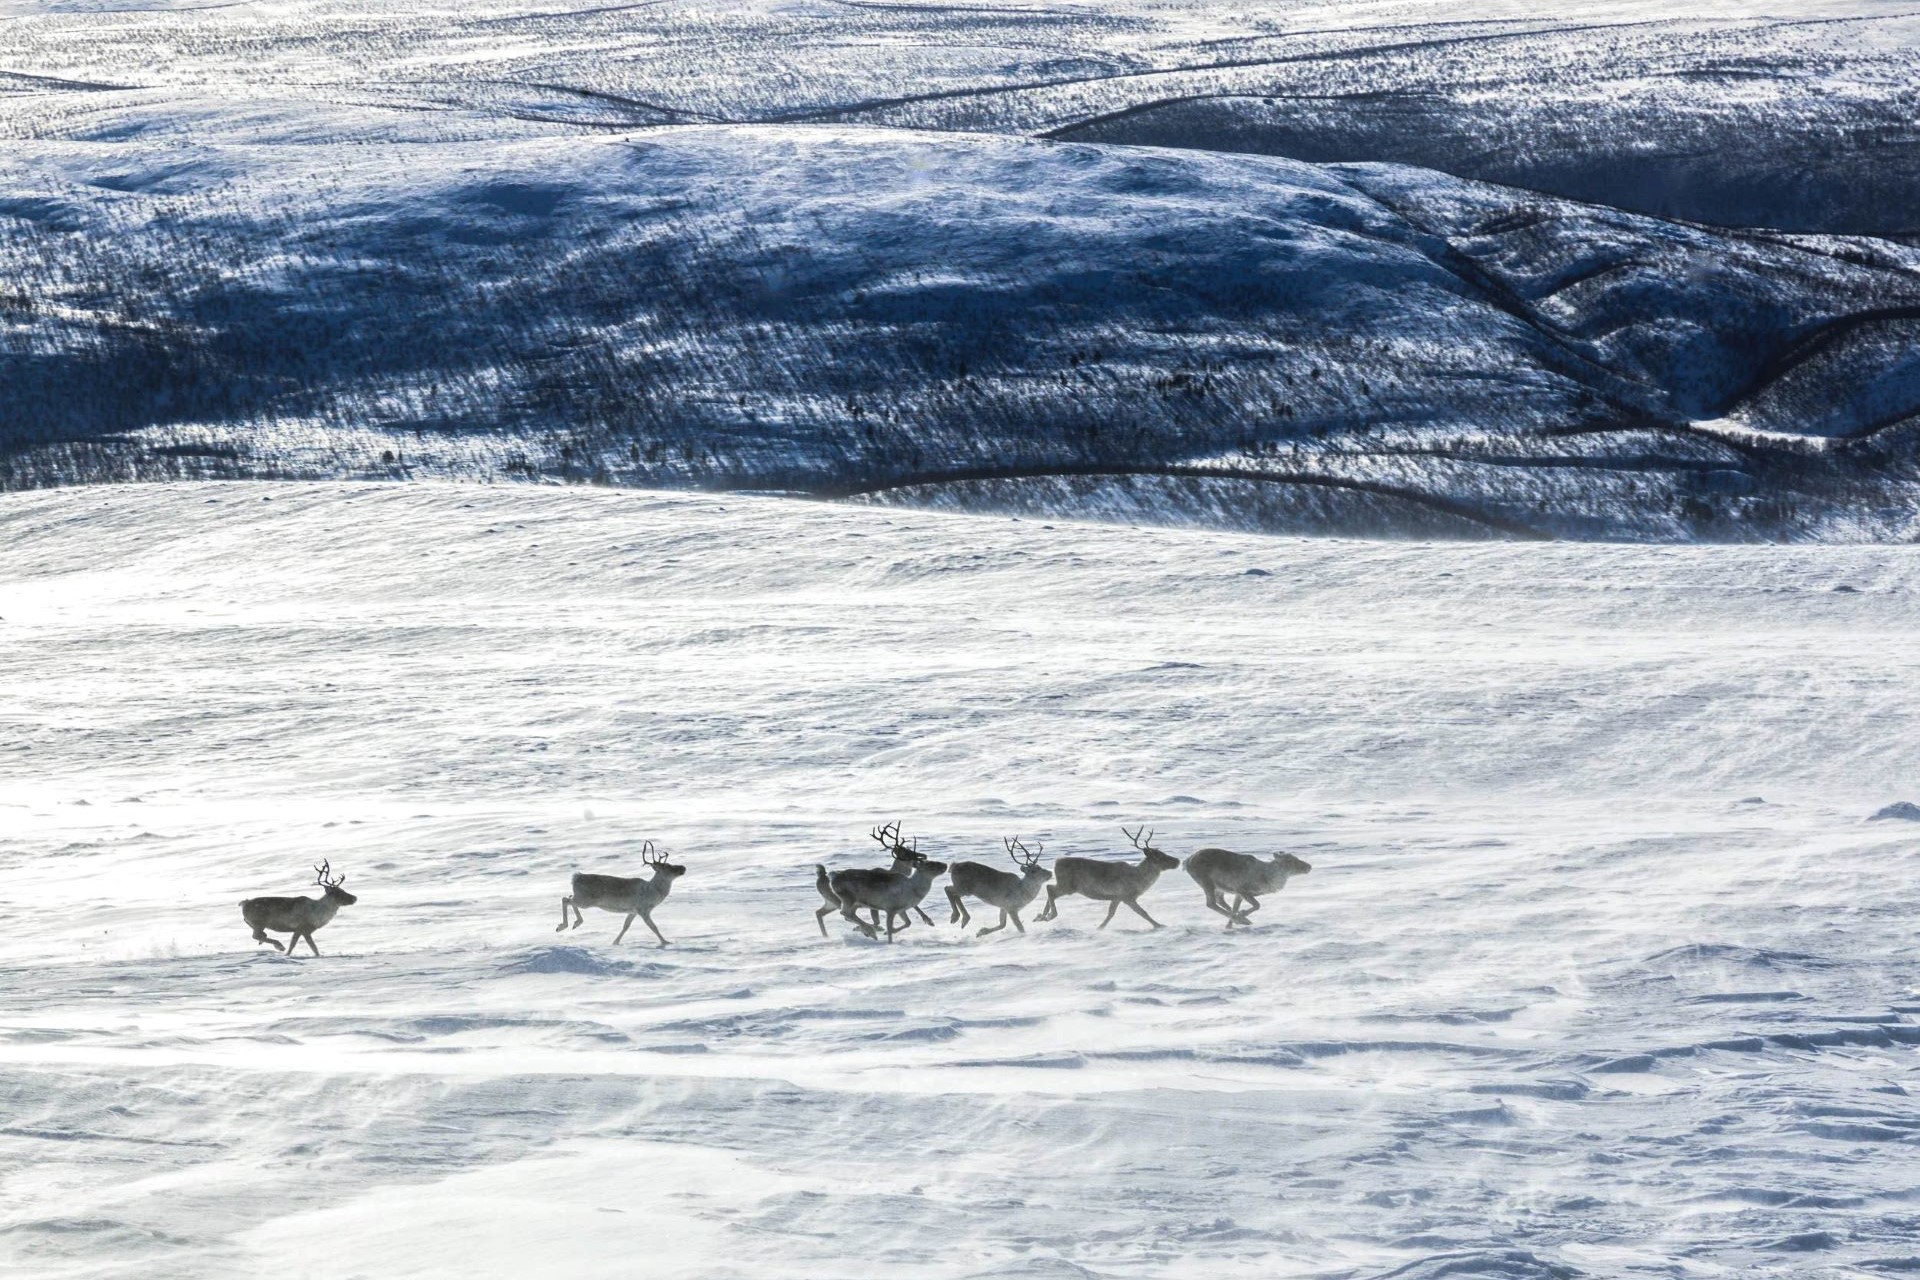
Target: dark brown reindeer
(1110, 882)
(298, 916)
(1011, 893)
(635, 897)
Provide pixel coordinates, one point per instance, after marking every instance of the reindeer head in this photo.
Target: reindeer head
(662, 869)
(889, 838)
(1143, 841)
(1291, 865)
(1028, 862)
(330, 885)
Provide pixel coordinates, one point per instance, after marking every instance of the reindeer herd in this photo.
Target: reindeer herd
(890, 895)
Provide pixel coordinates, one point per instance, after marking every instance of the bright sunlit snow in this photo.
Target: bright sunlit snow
(1602, 968)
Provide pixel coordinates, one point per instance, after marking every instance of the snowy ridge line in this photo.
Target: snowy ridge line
(841, 112)
(1094, 470)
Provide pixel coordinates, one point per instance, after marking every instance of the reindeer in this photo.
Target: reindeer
(298, 916)
(904, 859)
(1110, 882)
(830, 901)
(636, 897)
(1219, 872)
(998, 888)
(896, 890)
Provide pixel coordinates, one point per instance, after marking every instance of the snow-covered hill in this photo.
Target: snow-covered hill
(1601, 969)
(1179, 262)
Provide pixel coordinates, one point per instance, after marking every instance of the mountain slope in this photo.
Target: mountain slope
(918, 253)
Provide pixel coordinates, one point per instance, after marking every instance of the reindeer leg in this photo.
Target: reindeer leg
(1016, 921)
(656, 929)
(924, 917)
(820, 916)
(995, 928)
(1111, 908)
(959, 916)
(1214, 903)
(311, 945)
(623, 928)
(1142, 913)
(564, 904)
(260, 935)
(1051, 910)
(1240, 914)
(871, 930)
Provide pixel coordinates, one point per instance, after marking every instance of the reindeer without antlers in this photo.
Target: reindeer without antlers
(1110, 882)
(297, 916)
(634, 896)
(1219, 872)
(895, 890)
(997, 888)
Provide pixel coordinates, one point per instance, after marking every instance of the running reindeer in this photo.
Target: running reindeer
(1110, 882)
(297, 916)
(636, 897)
(905, 857)
(894, 890)
(1219, 872)
(1011, 893)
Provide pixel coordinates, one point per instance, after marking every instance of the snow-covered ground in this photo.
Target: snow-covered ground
(1601, 968)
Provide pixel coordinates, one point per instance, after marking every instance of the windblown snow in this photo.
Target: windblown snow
(1602, 968)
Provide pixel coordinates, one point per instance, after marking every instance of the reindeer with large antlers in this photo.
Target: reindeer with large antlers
(895, 890)
(297, 916)
(905, 857)
(997, 888)
(634, 896)
(1110, 882)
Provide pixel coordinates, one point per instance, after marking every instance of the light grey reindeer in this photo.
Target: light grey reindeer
(830, 901)
(893, 891)
(903, 860)
(635, 896)
(1219, 872)
(997, 888)
(1110, 882)
(298, 916)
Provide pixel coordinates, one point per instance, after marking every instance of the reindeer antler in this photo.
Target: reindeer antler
(1134, 836)
(888, 835)
(323, 872)
(648, 856)
(1023, 858)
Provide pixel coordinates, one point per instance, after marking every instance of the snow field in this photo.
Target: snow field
(1600, 968)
